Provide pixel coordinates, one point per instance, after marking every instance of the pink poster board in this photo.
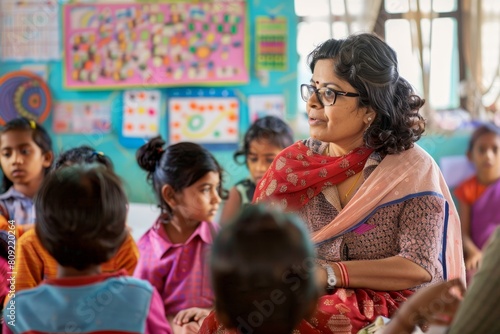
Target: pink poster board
(162, 44)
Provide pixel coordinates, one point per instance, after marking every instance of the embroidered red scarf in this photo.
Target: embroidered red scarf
(298, 174)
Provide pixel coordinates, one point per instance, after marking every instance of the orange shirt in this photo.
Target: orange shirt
(470, 190)
(4, 225)
(34, 263)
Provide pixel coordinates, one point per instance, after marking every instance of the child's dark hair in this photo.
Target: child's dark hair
(82, 155)
(263, 261)
(38, 133)
(269, 128)
(81, 212)
(480, 131)
(179, 165)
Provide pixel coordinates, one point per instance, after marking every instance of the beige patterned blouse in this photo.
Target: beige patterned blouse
(410, 228)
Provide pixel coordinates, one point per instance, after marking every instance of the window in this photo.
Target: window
(396, 21)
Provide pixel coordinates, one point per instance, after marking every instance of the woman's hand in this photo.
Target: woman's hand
(473, 260)
(435, 304)
(190, 314)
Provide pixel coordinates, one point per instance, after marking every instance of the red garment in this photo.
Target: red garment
(345, 311)
(470, 190)
(298, 174)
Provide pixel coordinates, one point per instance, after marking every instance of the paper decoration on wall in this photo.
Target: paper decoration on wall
(154, 44)
(29, 30)
(266, 105)
(141, 117)
(271, 49)
(82, 117)
(204, 116)
(25, 94)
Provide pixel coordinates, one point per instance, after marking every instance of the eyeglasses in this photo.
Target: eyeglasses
(326, 96)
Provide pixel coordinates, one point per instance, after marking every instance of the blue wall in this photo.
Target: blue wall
(282, 82)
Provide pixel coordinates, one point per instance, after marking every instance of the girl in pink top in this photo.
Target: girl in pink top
(187, 181)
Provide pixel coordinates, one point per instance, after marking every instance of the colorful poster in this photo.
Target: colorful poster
(82, 117)
(266, 105)
(154, 44)
(271, 40)
(29, 30)
(204, 117)
(141, 114)
(25, 94)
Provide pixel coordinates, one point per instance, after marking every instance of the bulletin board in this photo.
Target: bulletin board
(156, 44)
(140, 117)
(205, 116)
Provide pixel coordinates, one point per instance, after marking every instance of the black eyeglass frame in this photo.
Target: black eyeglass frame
(312, 89)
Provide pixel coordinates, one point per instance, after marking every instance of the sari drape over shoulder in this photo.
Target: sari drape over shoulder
(411, 173)
(395, 183)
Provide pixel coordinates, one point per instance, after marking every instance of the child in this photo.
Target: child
(187, 181)
(81, 212)
(26, 157)
(34, 263)
(479, 196)
(263, 141)
(263, 274)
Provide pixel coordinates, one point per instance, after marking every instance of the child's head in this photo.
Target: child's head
(26, 152)
(82, 155)
(262, 270)
(81, 212)
(265, 138)
(484, 149)
(186, 178)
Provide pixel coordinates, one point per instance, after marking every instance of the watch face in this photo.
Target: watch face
(331, 281)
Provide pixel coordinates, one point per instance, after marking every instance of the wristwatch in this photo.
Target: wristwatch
(331, 280)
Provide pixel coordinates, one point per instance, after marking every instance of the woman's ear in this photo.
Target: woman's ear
(168, 195)
(369, 116)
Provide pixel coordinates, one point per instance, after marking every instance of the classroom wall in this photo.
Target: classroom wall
(273, 82)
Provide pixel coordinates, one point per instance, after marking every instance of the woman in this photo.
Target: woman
(376, 204)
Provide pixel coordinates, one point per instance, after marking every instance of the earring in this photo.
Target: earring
(369, 119)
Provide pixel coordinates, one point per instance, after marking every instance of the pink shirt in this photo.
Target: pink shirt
(179, 272)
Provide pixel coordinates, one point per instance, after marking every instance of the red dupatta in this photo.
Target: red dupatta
(298, 174)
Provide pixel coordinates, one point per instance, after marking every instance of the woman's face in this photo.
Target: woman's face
(344, 122)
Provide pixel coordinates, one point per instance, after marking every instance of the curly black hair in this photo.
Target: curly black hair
(370, 65)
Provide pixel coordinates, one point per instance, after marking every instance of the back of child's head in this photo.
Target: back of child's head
(81, 212)
(271, 129)
(39, 135)
(262, 269)
(484, 129)
(82, 155)
(179, 165)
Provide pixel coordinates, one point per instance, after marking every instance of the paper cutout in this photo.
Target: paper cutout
(204, 119)
(161, 44)
(29, 30)
(141, 114)
(25, 94)
(271, 40)
(82, 117)
(266, 105)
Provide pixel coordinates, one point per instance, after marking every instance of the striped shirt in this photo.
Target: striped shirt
(15, 205)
